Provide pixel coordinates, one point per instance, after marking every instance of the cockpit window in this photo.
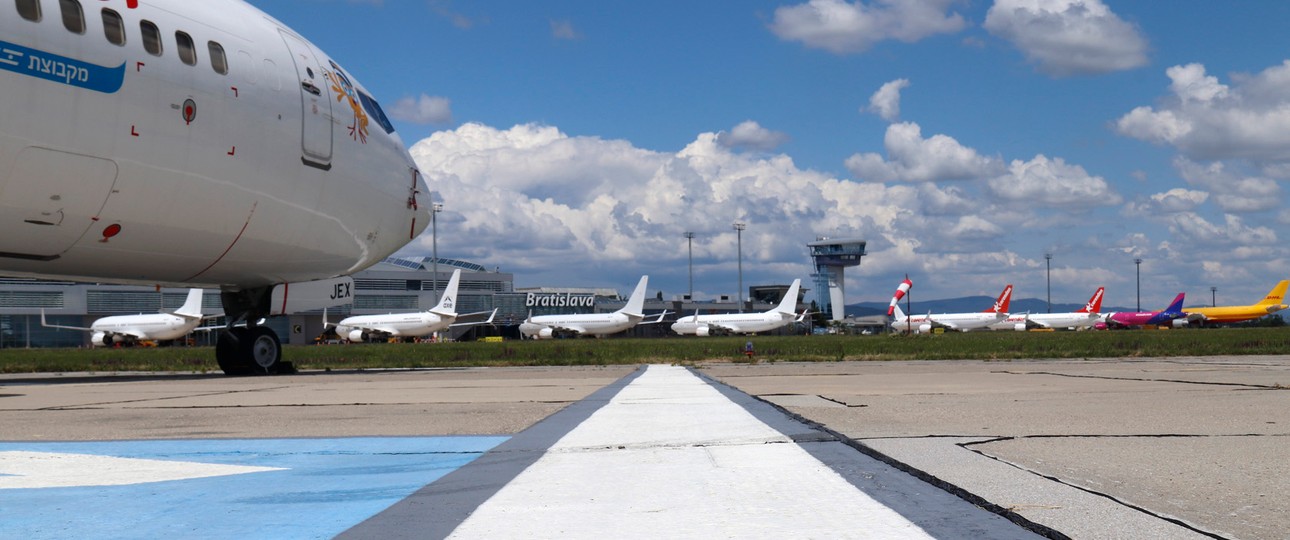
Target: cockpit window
(73, 16)
(374, 110)
(29, 9)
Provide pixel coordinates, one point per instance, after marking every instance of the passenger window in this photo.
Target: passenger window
(187, 52)
(29, 9)
(113, 27)
(151, 37)
(73, 17)
(218, 61)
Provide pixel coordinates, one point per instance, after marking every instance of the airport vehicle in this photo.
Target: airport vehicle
(131, 329)
(594, 324)
(1127, 319)
(1085, 317)
(952, 321)
(742, 323)
(406, 325)
(1272, 303)
(194, 143)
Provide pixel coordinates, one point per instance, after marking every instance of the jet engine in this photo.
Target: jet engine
(1020, 327)
(102, 339)
(702, 331)
(1181, 323)
(924, 328)
(545, 333)
(357, 336)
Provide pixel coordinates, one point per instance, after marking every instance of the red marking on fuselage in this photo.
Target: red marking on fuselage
(231, 244)
(138, 66)
(234, 91)
(133, 132)
(233, 151)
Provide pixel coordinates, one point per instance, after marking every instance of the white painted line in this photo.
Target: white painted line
(25, 470)
(671, 457)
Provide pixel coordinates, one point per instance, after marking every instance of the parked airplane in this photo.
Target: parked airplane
(183, 143)
(595, 324)
(405, 325)
(952, 321)
(1146, 318)
(1272, 303)
(1085, 317)
(130, 329)
(742, 323)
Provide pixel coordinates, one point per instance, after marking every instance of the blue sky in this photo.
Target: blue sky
(573, 142)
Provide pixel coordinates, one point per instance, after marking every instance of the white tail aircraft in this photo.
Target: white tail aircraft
(953, 321)
(130, 329)
(1085, 317)
(742, 323)
(194, 143)
(595, 324)
(406, 325)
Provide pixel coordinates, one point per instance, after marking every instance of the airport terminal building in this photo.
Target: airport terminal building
(392, 286)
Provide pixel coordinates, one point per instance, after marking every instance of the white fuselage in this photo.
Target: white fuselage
(951, 321)
(595, 324)
(1065, 320)
(734, 323)
(403, 325)
(145, 327)
(120, 165)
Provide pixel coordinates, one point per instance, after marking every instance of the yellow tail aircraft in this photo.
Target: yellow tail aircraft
(1272, 303)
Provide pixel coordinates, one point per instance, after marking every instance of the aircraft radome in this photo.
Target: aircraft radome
(139, 145)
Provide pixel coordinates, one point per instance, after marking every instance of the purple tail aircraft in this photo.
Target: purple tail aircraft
(1144, 318)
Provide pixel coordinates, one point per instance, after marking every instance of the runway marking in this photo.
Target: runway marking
(50, 470)
(670, 456)
(304, 488)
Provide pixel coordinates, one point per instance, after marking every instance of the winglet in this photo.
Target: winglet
(1005, 299)
(448, 302)
(788, 305)
(636, 303)
(1094, 304)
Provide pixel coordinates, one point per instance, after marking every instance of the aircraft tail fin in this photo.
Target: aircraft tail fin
(896, 313)
(192, 307)
(636, 303)
(1005, 299)
(1094, 304)
(448, 302)
(1176, 306)
(1277, 295)
(789, 304)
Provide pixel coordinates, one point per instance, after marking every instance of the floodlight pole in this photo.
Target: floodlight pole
(1048, 262)
(739, 232)
(1138, 264)
(435, 208)
(1213, 296)
(689, 238)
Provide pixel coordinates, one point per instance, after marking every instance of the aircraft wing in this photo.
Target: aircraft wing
(730, 328)
(569, 328)
(1195, 317)
(47, 325)
(491, 315)
(659, 320)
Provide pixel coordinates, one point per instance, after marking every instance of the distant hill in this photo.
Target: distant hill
(972, 303)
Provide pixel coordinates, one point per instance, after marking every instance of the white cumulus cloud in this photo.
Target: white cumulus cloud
(845, 27)
(1232, 192)
(911, 158)
(886, 101)
(751, 135)
(1207, 120)
(1068, 37)
(1052, 182)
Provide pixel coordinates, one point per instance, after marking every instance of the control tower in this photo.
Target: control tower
(831, 257)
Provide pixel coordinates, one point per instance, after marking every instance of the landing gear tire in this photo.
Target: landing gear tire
(250, 351)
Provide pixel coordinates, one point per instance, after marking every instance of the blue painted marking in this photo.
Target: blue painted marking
(330, 486)
(60, 69)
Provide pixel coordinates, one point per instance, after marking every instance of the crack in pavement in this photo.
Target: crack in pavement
(969, 447)
(1143, 379)
(186, 396)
